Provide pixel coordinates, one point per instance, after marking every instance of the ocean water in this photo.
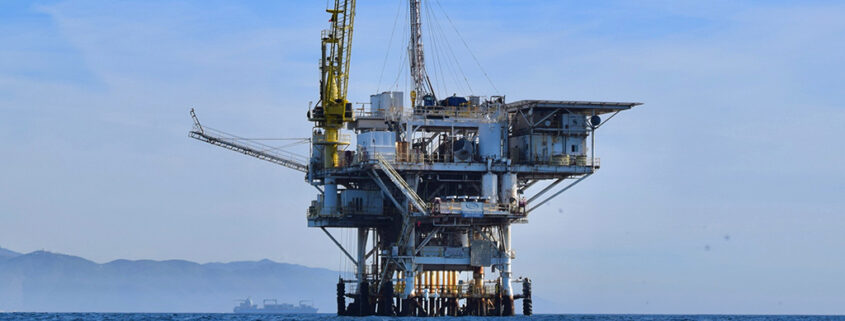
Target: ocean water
(332, 317)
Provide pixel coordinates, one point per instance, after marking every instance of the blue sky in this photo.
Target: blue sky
(722, 194)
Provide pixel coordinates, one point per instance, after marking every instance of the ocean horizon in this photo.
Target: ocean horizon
(81, 316)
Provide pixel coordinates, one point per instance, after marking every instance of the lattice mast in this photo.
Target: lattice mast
(422, 84)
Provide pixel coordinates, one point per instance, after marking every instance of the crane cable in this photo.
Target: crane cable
(467, 47)
(439, 75)
(258, 145)
(389, 45)
(437, 31)
(401, 71)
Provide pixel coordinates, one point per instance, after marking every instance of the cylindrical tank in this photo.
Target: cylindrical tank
(489, 187)
(330, 197)
(375, 104)
(381, 142)
(508, 191)
(398, 101)
(386, 100)
(490, 140)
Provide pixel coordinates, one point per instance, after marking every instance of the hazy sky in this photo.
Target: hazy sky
(724, 193)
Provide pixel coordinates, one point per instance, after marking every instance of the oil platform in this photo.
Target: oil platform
(432, 188)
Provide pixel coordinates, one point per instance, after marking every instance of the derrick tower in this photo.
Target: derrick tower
(433, 188)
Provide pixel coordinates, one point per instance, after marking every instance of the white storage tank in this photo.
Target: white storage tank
(375, 104)
(490, 140)
(490, 187)
(381, 142)
(396, 100)
(509, 189)
(386, 101)
(329, 197)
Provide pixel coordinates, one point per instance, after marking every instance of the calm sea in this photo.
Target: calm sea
(332, 317)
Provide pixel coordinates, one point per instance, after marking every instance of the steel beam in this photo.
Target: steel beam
(558, 193)
(552, 185)
(374, 175)
(339, 246)
(427, 239)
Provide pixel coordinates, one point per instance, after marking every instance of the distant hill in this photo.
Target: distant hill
(45, 281)
(6, 254)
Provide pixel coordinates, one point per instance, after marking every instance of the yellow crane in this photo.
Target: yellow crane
(333, 109)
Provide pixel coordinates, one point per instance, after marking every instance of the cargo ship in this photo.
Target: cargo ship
(271, 306)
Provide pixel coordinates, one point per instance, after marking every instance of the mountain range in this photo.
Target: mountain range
(43, 281)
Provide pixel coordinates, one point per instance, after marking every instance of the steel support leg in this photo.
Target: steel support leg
(363, 285)
(505, 273)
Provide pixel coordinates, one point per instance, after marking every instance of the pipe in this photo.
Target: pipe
(362, 250)
(437, 285)
(451, 180)
(505, 273)
(330, 197)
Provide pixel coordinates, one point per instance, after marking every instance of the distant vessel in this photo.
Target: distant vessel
(271, 306)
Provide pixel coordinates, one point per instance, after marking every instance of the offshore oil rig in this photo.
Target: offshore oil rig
(432, 188)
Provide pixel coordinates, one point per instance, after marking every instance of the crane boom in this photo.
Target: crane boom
(257, 150)
(334, 109)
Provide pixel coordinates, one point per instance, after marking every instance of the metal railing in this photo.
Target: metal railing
(450, 111)
(561, 160)
(316, 209)
(419, 157)
(450, 207)
(362, 113)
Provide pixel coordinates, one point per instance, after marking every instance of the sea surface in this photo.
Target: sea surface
(332, 317)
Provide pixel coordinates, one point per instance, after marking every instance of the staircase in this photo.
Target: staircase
(403, 186)
(407, 222)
